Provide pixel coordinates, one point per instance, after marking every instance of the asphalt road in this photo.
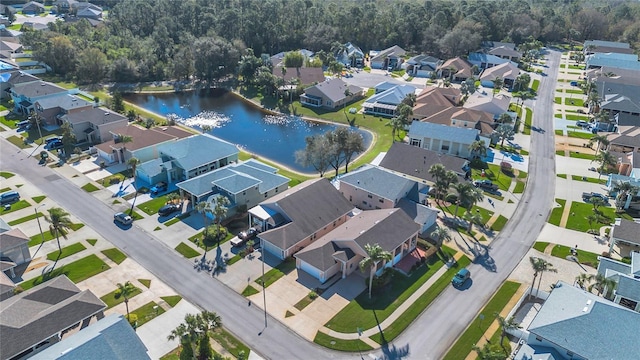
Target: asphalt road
(430, 335)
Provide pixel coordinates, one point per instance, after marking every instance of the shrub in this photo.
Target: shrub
(313, 295)
(506, 167)
(606, 254)
(133, 318)
(423, 244)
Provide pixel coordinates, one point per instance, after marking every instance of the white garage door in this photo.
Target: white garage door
(311, 270)
(274, 250)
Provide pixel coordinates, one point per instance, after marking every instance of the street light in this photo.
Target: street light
(39, 227)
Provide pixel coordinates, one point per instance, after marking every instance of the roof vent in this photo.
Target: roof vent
(584, 309)
(589, 302)
(106, 114)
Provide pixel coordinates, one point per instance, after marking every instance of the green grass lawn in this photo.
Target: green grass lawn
(574, 91)
(573, 101)
(486, 214)
(135, 215)
(234, 259)
(230, 342)
(576, 117)
(249, 291)
(528, 119)
(115, 255)
(38, 199)
(540, 245)
(152, 206)
(89, 187)
(580, 135)
(584, 257)
(172, 300)
(186, 250)
(560, 133)
(66, 251)
(92, 241)
(172, 221)
(494, 174)
(147, 312)
(285, 267)
(111, 300)
(556, 212)
(589, 179)
(18, 141)
(303, 303)
(395, 329)
(330, 342)
(519, 188)
(557, 100)
(25, 219)
(474, 332)
(145, 282)
(579, 211)
(499, 224)
(535, 84)
(22, 204)
(198, 240)
(563, 176)
(579, 155)
(48, 235)
(113, 179)
(76, 271)
(6, 174)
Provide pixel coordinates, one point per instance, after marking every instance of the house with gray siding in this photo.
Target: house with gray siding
(52, 109)
(94, 124)
(25, 94)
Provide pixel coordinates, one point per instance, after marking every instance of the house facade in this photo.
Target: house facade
(330, 94)
(627, 278)
(25, 94)
(51, 109)
(94, 124)
(351, 56)
(625, 235)
(444, 139)
(508, 72)
(387, 58)
(456, 69)
(423, 66)
(14, 250)
(485, 61)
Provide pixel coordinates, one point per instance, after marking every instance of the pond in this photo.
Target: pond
(275, 138)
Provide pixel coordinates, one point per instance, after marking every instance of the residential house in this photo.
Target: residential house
(9, 35)
(505, 52)
(388, 59)
(628, 171)
(45, 315)
(245, 184)
(372, 188)
(450, 140)
(414, 163)
(51, 109)
(508, 72)
(10, 47)
(33, 7)
(14, 250)
(277, 60)
(112, 337)
(574, 324)
(302, 76)
(456, 69)
(601, 46)
(618, 97)
(94, 124)
(433, 100)
(294, 219)
(342, 249)
(626, 140)
(7, 287)
(487, 45)
(386, 102)
(86, 10)
(623, 61)
(627, 278)
(494, 104)
(6, 9)
(187, 158)
(384, 86)
(422, 66)
(143, 145)
(65, 6)
(330, 94)
(25, 94)
(625, 235)
(10, 76)
(351, 56)
(606, 74)
(485, 61)
(35, 26)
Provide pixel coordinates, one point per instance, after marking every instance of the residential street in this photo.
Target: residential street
(430, 335)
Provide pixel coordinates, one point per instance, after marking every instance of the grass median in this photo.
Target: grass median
(76, 271)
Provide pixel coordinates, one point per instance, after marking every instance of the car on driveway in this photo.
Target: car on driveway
(54, 145)
(586, 197)
(461, 277)
(158, 188)
(243, 237)
(582, 123)
(122, 218)
(486, 185)
(9, 197)
(168, 209)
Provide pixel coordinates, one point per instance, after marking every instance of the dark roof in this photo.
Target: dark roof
(627, 230)
(415, 161)
(310, 207)
(36, 89)
(306, 75)
(37, 314)
(11, 239)
(142, 137)
(378, 181)
(94, 115)
(324, 257)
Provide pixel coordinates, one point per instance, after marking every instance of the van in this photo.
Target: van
(9, 197)
(24, 123)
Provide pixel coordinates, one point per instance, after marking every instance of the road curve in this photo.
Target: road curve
(431, 333)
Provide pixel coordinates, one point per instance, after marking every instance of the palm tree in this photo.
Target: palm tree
(440, 235)
(173, 198)
(582, 280)
(505, 118)
(593, 101)
(463, 190)
(597, 201)
(504, 131)
(478, 149)
(133, 163)
(600, 140)
(376, 254)
(125, 291)
(203, 207)
(396, 125)
(445, 182)
(220, 204)
(606, 160)
(124, 139)
(410, 100)
(602, 284)
(506, 325)
(539, 267)
(473, 218)
(195, 329)
(623, 190)
(591, 218)
(347, 93)
(589, 87)
(59, 224)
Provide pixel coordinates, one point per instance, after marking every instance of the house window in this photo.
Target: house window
(378, 207)
(415, 142)
(381, 200)
(350, 198)
(276, 189)
(538, 338)
(364, 202)
(370, 196)
(265, 195)
(444, 147)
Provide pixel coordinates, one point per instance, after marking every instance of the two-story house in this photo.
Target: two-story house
(94, 124)
(626, 292)
(52, 109)
(25, 94)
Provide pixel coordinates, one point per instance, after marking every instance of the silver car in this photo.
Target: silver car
(122, 218)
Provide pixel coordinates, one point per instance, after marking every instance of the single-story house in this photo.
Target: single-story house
(111, 337)
(414, 163)
(295, 218)
(508, 72)
(33, 7)
(94, 124)
(481, 101)
(625, 234)
(305, 75)
(385, 103)
(602, 46)
(7, 286)
(245, 184)
(623, 61)
(387, 58)
(143, 145)
(485, 61)
(384, 86)
(576, 324)
(43, 315)
(619, 97)
(187, 158)
(331, 94)
(456, 69)
(10, 47)
(352, 56)
(505, 52)
(51, 109)
(627, 277)
(25, 94)
(10, 35)
(14, 250)
(451, 140)
(608, 75)
(342, 249)
(423, 66)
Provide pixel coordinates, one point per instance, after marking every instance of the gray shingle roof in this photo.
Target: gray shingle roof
(612, 265)
(628, 287)
(19, 77)
(310, 207)
(615, 44)
(198, 150)
(37, 89)
(443, 132)
(64, 101)
(37, 314)
(378, 181)
(333, 89)
(415, 161)
(324, 257)
(11, 239)
(96, 116)
(110, 338)
(574, 319)
(418, 212)
(627, 230)
(393, 95)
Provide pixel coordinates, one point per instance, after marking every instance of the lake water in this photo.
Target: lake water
(275, 138)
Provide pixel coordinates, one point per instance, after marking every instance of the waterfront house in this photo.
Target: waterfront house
(330, 94)
(386, 102)
(51, 109)
(25, 94)
(94, 125)
(444, 139)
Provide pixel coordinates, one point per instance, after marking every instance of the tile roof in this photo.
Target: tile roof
(573, 318)
(310, 206)
(433, 95)
(443, 132)
(197, 150)
(63, 101)
(95, 115)
(37, 314)
(415, 161)
(36, 89)
(627, 230)
(378, 181)
(11, 239)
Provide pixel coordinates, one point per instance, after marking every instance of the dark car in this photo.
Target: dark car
(54, 145)
(158, 188)
(51, 139)
(122, 218)
(9, 197)
(461, 277)
(168, 209)
(586, 197)
(485, 184)
(582, 123)
(243, 237)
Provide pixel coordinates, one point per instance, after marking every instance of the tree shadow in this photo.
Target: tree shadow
(482, 257)
(392, 352)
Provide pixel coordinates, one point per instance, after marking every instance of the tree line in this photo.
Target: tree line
(165, 39)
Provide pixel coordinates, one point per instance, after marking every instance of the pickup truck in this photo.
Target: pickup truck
(586, 196)
(158, 188)
(486, 185)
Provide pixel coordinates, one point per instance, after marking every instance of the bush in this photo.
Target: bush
(313, 295)
(132, 318)
(506, 167)
(606, 254)
(424, 244)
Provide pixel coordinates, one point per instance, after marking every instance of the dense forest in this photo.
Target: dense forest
(145, 40)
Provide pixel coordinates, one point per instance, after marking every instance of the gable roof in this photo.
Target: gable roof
(392, 96)
(9, 46)
(615, 44)
(462, 66)
(505, 71)
(573, 318)
(33, 4)
(415, 161)
(395, 50)
(433, 95)
(310, 206)
(94, 115)
(486, 58)
(626, 230)
(623, 61)
(110, 338)
(18, 77)
(505, 51)
(443, 132)
(37, 314)
(332, 89)
(63, 101)
(306, 75)
(142, 137)
(496, 105)
(196, 150)
(422, 58)
(494, 44)
(12, 239)
(378, 181)
(35, 89)
(418, 212)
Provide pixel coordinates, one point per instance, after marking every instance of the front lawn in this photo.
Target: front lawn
(519, 188)
(499, 224)
(186, 250)
(152, 206)
(48, 235)
(486, 214)
(580, 135)
(556, 212)
(285, 267)
(89, 187)
(589, 179)
(18, 141)
(330, 342)
(230, 342)
(584, 257)
(110, 299)
(172, 300)
(540, 246)
(25, 219)
(22, 204)
(579, 211)
(76, 271)
(579, 155)
(147, 312)
(249, 291)
(114, 255)
(66, 251)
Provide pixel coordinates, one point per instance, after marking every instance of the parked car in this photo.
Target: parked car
(9, 197)
(582, 123)
(586, 196)
(51, 139)
(158, 188)
(168, 209)
(243, 237)
(574, 83)
(25, 124)
(486, 185)
(54, 145)
(461, 277)
(122, 218)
